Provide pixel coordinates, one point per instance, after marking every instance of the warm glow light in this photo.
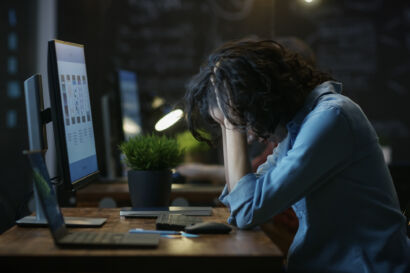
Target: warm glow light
(169, 119)
(308, 1)
(130, 127)
(157, 102)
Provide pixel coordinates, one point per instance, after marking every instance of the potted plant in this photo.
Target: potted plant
(150, 159)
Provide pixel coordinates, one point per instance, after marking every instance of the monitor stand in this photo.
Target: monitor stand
(36, 120)
(40, 220)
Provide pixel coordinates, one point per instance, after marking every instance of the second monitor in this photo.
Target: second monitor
(121, 116)
(128, 97)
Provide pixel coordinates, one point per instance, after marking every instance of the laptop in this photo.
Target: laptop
(62, 237)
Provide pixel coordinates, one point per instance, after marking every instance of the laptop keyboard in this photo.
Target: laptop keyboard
(109, 239)
(94, 237)
(168, 221)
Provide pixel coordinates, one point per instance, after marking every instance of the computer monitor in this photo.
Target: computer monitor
(71, 113)
(72, 123)
(129, 103)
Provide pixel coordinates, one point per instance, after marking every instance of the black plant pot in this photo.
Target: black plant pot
(149, 188)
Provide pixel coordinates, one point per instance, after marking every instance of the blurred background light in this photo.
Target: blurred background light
(130, 127)
(157, 102)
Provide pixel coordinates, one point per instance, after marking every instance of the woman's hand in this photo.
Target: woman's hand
(235, 148)
(216, 111)
(217, 114)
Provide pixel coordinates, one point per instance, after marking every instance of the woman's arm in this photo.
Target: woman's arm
(223, 129)
(323, 147)
(235, 146)
(236, 157)
(235, 150)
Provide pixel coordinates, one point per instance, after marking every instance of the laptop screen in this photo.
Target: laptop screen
(46, 192)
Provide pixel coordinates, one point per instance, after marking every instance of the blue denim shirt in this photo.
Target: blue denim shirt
(331, 170)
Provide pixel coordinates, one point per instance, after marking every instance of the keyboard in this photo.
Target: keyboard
(102, 238)
(167, 221)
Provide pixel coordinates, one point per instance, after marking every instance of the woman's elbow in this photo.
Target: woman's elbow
(245, 226)
(245, 220)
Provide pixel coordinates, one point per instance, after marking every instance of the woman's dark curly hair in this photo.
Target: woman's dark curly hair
(261, 85)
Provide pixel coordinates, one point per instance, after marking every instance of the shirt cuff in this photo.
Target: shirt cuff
(223, 196)
(238, 197)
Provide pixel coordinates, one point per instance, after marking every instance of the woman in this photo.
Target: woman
(328, 165)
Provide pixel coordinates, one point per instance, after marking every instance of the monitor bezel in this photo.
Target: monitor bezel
(58, 120)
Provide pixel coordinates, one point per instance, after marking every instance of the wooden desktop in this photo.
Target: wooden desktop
(33, 249)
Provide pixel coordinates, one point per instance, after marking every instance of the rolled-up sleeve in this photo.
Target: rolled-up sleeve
(322, 147)
(244, 190)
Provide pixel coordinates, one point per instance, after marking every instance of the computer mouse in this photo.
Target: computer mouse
(208, 228)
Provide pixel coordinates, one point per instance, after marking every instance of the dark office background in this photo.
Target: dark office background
(16, 64)
(364, 43)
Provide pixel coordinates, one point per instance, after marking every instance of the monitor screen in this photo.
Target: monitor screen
(72, 110)
(130, 106)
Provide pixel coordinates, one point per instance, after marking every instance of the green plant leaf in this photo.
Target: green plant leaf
(152, 152)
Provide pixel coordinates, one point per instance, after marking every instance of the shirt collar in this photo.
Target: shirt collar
(311, 101)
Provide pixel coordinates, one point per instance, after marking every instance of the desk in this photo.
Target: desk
(32, 249)
(194, 194)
